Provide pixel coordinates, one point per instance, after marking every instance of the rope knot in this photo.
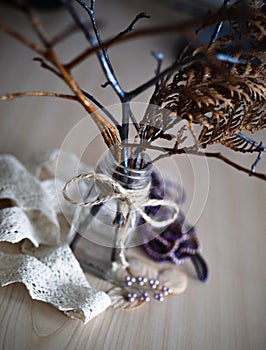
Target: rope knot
(110, 189)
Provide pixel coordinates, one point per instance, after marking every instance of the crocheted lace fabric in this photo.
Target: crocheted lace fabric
(50, 271)
(32, 215)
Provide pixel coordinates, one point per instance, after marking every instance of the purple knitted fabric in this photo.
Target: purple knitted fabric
(176, 242)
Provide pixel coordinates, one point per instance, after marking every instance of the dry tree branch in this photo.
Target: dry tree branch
(97, 41)
(184, 28)
(180, 28)
(168, 152)
(27, 42)
(89, 96)
(105, 127)
(46, 66)
(64, 70)
(105, 62)
(15, 95)
(108, 131)
(103, 58)
(234, 165)
(34, 21)
(131, 26)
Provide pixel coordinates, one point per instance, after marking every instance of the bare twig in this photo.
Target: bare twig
(159, 60)
(102, 51)
(109, 71)
(101, 54)
(108, 131)
(260, 149)
(254, 165)
(106, 64)
(219, 25)
(105, 110)
(173, 67)
(132, 25)
(15, 95)
(105, 127)
(46, 66)
(35, 47)
(184, 28)
(235, 165)
(35, 23)
(167, 152)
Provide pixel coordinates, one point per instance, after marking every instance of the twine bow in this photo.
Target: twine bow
(132, 198)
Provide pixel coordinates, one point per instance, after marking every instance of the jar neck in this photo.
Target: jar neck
(129, 178)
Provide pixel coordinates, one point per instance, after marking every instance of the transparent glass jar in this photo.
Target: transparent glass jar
(100, 234)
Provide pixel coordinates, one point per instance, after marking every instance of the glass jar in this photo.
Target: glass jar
(101, 233)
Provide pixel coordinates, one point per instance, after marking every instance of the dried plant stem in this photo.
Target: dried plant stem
(130, 95)
(172, 68)
(184, 28)
(105, 127)
(35, 47)
(108, 131)
(103, 109)
(36, 93)
(234, 165)
(132, 24)
(118, 253)
(103, 57)
(34, 21)
(102, 53)
(47, 66)
(168, 152)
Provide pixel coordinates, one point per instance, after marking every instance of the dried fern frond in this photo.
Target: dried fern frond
(250, 28)
(213, 87)
(225, 130)
(243, 106)
(225, 92)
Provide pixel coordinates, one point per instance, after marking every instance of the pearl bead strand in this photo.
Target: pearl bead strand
(146, 289)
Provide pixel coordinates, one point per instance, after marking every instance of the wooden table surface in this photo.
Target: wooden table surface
(228, 311)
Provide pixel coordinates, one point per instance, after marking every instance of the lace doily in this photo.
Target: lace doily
(50, 271)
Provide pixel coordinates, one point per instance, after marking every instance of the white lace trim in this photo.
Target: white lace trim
(31, 202)
(50, 271)
(56, 279)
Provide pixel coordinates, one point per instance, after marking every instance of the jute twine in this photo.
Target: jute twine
(110, 189)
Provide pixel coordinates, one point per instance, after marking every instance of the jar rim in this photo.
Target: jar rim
(132, 178)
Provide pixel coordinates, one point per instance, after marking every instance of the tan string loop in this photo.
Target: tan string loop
(135, 199)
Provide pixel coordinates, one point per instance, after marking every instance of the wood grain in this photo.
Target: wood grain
(227, 312)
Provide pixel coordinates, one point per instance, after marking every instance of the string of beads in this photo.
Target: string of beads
(146, 289)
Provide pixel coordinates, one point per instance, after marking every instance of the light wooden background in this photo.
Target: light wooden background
(227, 312)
